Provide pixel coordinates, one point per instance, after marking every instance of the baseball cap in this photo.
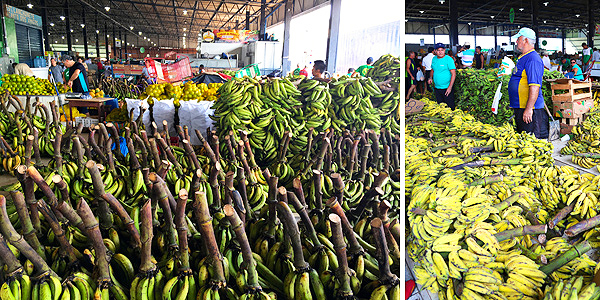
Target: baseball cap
(526, 32)
(439, 45)
(66, 57)
(467, 44)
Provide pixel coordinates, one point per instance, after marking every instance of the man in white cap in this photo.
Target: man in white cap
(546, 60)
(524, 87)
(466, 55)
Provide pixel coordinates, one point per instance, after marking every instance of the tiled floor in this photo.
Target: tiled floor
(418, 293)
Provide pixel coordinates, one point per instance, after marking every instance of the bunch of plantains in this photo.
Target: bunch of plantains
(491, 217)
(174, 222)
(475, 90)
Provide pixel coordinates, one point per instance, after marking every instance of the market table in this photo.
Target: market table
(97, 103)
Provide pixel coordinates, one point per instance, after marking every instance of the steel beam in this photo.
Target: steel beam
(45, 25)
(68, 26)
(263, 21)
(495, 37)
(591, 24)
(97, 40)
(215, 13)
(289, 12)
(121, 48)
(85, 40)
(535, 12)
(114, 43)
(106, 41)
(247, 19)
(332, 39)
(453, 30)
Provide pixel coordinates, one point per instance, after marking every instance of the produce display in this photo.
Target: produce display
(475, 90)
(96, 93)
(187, 91)
(23, 85)
(386, 67)
(490, 213)
(584, 146)
(267, 109)
(175, 222)
(120, 88)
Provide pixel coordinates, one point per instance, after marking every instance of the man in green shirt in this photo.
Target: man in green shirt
(565, 64)
(297, 70)
(362, 70)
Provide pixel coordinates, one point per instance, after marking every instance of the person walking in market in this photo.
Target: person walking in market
(427, 65)
(524, 87)
(466, 55)
(362, 70)
(587, 55)
(55, 71)
(443, 74)
(411, 74)
(478, 59)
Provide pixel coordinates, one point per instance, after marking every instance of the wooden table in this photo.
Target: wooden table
(93, 102)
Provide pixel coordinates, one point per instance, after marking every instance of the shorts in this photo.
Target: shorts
(440, 97)
(539, 124)
(410, 82)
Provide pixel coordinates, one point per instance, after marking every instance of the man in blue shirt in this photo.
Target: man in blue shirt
(524, 87)
(443, 73)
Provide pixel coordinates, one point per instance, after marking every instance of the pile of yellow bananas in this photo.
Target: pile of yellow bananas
(65, 114)
(487, 209)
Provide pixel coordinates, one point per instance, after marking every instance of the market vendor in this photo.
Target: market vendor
(524, 87)
(77, 76)
(443, 74)
(318, 71)
(576, 69)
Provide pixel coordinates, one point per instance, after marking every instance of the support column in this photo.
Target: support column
(114, 43)
(124, 44)
(287, 20)
(85, 40)
(106, 41)
(563, 41)
(45, 25)
(475, 36)
(68, 26)
(97, 37)
(433, 30)
(495, 37)
(453, 30)
(247, 19)
(332, 39)
(263, 20)
(591, 23)
(535, 12)
(121, 49)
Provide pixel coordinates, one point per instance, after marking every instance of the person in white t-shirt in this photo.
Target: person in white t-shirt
(546, 61)
(466, 55)
(587, 55)
(427, 64)
(595, 58)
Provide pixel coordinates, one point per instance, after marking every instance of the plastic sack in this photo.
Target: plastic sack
(195, 115)
(496, 101)
(420, 76)
(506, 67)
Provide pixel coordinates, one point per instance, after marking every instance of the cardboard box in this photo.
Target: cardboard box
(573, 109)
(118, 68)
(566, 129)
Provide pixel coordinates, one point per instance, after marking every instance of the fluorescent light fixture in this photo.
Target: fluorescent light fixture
(82, 25)
(130, 27)
(63, 37)
(577, 15)
(52, 24)
(546, 3)
(421, 11)
(107, 8)
(62, 18)
(492, 17)
(184, 29)
(139, 32)
(185, 11)
(521, 9)
(30, 5)
(97, 31)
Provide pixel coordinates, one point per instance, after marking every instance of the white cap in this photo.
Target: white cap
(467, 44)
(526, 32)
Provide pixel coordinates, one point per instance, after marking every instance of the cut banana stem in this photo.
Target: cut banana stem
(8, 258)
(204, 220)
(125, 218)
(104, 213)
(335, 207)
(308, 226)
(26, 225)
(508, 202)
(521, 231)
(28, 190)
(93, 233)
(487, 180)
(385, 274)
(65, 247)
(569, 255)
(291, 229)
(240, 234)
(582, 226)
(343, 272)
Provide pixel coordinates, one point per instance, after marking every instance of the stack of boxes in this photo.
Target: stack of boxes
(571, 106)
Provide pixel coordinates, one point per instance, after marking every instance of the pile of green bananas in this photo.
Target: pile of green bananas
(99, 224)
(489, 212)
(475, 90)
(386, 67)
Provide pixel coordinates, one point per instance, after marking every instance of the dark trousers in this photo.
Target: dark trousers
(539, 124)
(440, 97)
(427, 75)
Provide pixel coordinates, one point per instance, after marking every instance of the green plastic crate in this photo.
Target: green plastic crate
(250, 71)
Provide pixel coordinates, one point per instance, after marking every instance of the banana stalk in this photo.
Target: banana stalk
(28, 190)
(26, 225)
(104, 213)
(521, 231)
(343, 273)
(566, 257)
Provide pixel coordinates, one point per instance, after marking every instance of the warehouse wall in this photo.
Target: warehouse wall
(11, 38)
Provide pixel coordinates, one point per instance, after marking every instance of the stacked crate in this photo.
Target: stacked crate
(571, 106)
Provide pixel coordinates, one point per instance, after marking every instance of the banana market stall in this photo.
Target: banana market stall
(492, 216)
(167, 221)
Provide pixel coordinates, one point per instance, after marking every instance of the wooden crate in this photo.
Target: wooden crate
(571, 121)
(572, 86)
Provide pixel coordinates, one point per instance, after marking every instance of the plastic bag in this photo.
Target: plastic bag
(420, 76)
(506, 67)
(497, 97)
